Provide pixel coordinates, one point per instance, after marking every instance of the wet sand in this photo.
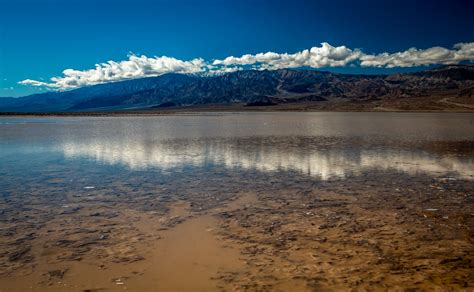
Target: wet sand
(192, 248)
(382, 231)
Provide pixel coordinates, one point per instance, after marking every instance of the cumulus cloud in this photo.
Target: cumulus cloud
(316, 57)
(415, 57)
(35, 83)
(134, 67)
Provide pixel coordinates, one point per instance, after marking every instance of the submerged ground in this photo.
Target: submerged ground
(237, 201)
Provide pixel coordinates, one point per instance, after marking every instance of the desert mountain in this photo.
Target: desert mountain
(449, 86)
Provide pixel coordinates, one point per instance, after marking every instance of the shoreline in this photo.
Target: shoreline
(210, 110)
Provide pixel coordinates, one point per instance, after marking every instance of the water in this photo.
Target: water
(234, 200)
(322, 145)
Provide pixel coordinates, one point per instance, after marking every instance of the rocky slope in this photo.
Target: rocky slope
(447, 86)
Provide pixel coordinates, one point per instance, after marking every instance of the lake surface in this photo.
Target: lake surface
(322, 145)
(65, 180)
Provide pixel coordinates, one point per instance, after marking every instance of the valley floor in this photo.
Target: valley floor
(409, 104)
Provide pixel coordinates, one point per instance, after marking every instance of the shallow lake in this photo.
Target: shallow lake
(322, 145)
(81, 192)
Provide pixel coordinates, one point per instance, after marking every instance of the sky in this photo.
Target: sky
(64, 40)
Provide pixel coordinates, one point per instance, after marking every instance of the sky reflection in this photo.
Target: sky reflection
(319, 160)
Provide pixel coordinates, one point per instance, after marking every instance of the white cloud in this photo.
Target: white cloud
(134, 67)
(415, 57)
(317, 57)
(36, 83)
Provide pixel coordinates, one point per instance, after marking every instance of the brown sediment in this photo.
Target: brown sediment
(371, 231)
(188, 258)
(155, 253)
(369, 238)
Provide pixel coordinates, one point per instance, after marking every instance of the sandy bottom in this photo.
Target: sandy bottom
(193, 249)
(383, 232)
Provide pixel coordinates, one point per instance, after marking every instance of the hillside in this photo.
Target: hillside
(444, 88)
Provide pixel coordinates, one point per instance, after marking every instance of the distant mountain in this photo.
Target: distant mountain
(257, 88)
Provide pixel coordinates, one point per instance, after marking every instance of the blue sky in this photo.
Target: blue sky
(41, 38)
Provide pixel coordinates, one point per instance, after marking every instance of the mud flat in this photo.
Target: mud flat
(397, 232)
(381, 231)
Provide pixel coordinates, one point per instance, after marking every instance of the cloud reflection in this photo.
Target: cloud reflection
(243, 153)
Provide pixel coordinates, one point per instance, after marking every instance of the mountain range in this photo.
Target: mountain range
(446, 87)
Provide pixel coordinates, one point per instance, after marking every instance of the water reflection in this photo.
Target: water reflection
(321, 158)
(322, 145)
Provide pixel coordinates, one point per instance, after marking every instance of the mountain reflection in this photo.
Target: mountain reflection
(312, 157)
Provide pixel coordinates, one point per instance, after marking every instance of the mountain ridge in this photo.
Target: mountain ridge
(252, 87)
